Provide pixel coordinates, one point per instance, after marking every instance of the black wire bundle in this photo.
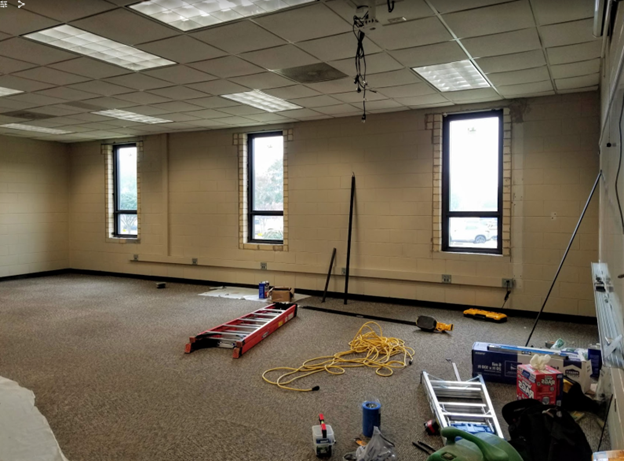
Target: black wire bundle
(360, 61)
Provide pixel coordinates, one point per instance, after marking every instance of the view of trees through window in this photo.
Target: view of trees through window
(127, 197)
(267, 196)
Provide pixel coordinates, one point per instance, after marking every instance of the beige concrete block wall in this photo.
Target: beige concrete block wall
(34, 185)
(190, 209)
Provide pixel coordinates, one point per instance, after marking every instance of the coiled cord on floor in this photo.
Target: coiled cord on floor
(379, 351)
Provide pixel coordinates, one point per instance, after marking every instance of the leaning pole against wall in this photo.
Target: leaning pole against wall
(346, 293)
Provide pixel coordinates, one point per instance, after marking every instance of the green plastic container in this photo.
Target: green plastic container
(479, 447)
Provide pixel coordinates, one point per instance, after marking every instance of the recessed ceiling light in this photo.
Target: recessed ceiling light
(261, 101)
(8, 91)
(40, 129)
(77, 40)
(125, 115)
(454, 76)
(193, 14)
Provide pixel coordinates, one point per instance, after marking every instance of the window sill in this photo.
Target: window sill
(123, 240)
(461, 256)
(265, 246)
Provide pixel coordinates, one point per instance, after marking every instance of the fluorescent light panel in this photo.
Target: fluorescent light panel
(454, 76)
(133, 117)
(193, 14)
(8, 91)
(261, 101)
(39, 129)
(77, 40)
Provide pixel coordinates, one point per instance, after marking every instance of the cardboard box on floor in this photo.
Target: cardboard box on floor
(282, 294)
(499, 363)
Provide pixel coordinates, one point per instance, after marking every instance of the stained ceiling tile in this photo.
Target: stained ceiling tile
(8, 65)
(138, 81)
(124, 26)
(376, 63)
(576, 69)
(178, 93)
(509, 62)
(67, 93)
(176, 106)
(525, 88)
(568, 33)
(53, 76)
(291, 92)
(21, 48)
(181, 49)
(404, 91)
(142, 98)
(505, 43)
(90, 68)
(555, 11)
(262, 81)
(315, 101)
(577, 82)
(281, 57)
(17, 21)
(304, 23)
(422, 100)
(67, 10)
(335, 86)
(180, 75)
(516, 77)
(217, 87)
(574, 53)
(449, 6)
(427, 55)
(337, 47)
(491, 20)
(229, 66)
(395, 78)
(480, 94)
(239, 37)
(412, 33)
(101, 88)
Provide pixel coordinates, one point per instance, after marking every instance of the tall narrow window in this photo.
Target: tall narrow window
(472, 189)
(125, 190)
(266, 187)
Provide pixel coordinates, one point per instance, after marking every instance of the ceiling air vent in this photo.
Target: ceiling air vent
(23, 114)
(313, 73)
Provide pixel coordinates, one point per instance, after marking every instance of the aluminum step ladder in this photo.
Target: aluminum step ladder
(465, 405)
(245, 332)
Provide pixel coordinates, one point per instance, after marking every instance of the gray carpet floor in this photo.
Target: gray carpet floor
(104, 357)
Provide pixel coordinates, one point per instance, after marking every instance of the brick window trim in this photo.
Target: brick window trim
(434, 123)
(107, 153)
(239, 140)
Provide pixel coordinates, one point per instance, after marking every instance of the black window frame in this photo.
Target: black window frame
(446, 213)
(116, 210)
(251, 212)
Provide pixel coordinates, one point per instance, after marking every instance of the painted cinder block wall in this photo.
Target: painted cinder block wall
(190, 209)
(34, 186)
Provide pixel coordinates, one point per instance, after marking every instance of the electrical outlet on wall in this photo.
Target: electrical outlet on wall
(136, 257)
(263, 266)
(509, 283)
(446, 278)
(194, 261)
(343, 271)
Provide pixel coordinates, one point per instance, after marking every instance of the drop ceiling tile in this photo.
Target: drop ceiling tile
(178, 93)
(125, 26)
(449, 6)
(229, 66)
(281, 57)
(298, 113)
(180, 75)
(22, 84)
(17, 21)
(67, 10)
(554, 11)
(408, 9)
(142, 98)
(90, 68)
(263, 81)
(67, 93)
(577, 82)
(412, 33)
(88, 117)
(579, 90)
(510, 62)
(355, 97)
(576, 69)
(21, 48)
(180, 117)
(422, 100)
(395, 78)
(382, 105)
(138, 81)
(101, 88)
(235, 121)
(181, 49)
(477, 95)
(213, 102)
(176, 106)
(52, 76)
(291, 92)
(241, 110)
(208, 123)
(568, 33)
(110, 103)
(505, 43)
(491, 20)
(207, 113)
(516, 77)
(334, 86)
(405, 91)
(149, 110)
(267, 117)
(8, 65)
(60, 110)
(574, 53)
(337, 47)
(217, 87)
(427, 55)
(239, 37)
(34, 98)
(339, 109)
(376, 63)
(304, 23)
(4, 36)
(315, 101)
(525, 89)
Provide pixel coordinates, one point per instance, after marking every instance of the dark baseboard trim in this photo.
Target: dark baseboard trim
(333, 295)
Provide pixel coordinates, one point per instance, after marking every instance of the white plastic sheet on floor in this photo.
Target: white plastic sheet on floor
(248, 294)
(24, 432)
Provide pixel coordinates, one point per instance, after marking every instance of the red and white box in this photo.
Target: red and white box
(544, 385)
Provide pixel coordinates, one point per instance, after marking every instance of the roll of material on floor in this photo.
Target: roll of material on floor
(371, 417)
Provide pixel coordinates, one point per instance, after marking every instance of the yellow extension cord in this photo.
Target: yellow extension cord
(379, 351)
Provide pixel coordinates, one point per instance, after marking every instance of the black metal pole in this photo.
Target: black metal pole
(331, 265)
(565, 255)
(346, 293)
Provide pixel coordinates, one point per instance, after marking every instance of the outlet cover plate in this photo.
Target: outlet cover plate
(446, 278)
(343, 271)
(508, 283)
(263, 266)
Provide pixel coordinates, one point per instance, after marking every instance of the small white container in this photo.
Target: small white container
(323, 445)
